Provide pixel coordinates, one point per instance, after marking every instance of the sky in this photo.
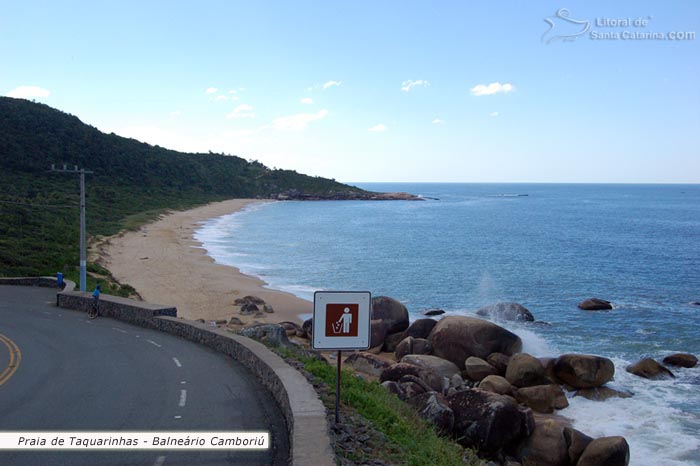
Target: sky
(383, 91)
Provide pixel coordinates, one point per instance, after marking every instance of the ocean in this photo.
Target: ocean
(545, 246)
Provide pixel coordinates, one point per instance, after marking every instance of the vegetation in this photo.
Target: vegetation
(406, 438)
(132, 183)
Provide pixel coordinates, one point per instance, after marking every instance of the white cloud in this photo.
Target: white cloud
(493, 114)
(490, 89)
(242, 111)
(380, 128)
(439, 121)
(211, 90)
(28, 92)
(307, 100)
(232, 91)
(331, 84)
(297, 122)
(175, 114)
(221, 97)
(407, 85)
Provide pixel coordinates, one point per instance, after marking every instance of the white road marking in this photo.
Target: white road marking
(177, 362)
(183, 382)
(119, 330)
(154, 343)
(183, 398)
(159, 461)
(177, 417)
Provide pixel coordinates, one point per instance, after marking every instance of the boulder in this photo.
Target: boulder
(378, 330)
(487, 422)
(433, 312)
(442, 366)
(525, 371)
(249, 299)
(394, 388)
(499, 361)
(576, 442)
(606, 451)
(410, 345)
(390, 311)
(396, 371)
(411, 389)
(595, 304)
(291, 328)
(434, 407)
(507, 311)
(249, 309)
(476, 369)
(601, 393)
(546, 446)
(583, 370)
(497, 384)
(307, 328)
(455, 338)
(270, 334)
(235, 321)
(420, 328)
(392, 340)
(542, 398)
(649, 369)
(681, 360)
(367, 363)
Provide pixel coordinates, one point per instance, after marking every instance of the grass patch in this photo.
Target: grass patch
(408, 439)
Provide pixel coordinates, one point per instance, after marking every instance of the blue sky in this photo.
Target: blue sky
(378, 91)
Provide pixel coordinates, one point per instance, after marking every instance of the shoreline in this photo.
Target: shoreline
(166, 265)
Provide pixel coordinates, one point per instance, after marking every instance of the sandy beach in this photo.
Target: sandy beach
(165, 265)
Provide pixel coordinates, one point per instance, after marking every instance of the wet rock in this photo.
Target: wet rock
(583, 370)
(476, 369)
(681, 360)
(606, 451)
(420, 328)
(542, 398)
(487, 422)
(433, 312)
(442, 366)
(367, 363)
(649, 369)
(601, 393)
(455, 338)
(525, 371)
(576, 442)
(497, 384)
(507, 311)
(391, 312)
(595, 304)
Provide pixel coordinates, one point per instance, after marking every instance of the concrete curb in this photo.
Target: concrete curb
(300, 404)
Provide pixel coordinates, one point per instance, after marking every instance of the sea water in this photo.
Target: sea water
(547, 247)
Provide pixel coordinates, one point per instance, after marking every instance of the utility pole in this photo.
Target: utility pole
(83, 253)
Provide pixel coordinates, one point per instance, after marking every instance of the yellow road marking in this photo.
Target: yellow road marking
(15, 359)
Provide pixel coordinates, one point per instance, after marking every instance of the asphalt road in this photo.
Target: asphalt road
(77, 374)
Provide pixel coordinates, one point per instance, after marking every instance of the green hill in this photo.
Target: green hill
(39, 214)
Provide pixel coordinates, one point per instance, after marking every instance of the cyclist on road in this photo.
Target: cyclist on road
(93, 310)
(96, 293)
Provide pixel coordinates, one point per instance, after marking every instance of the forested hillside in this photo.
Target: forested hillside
(39, 214)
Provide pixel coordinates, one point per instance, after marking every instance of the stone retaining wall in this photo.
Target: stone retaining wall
(305, 414)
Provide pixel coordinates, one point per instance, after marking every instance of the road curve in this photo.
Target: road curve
(105, 375)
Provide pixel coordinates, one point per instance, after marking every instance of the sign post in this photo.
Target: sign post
(341, 321)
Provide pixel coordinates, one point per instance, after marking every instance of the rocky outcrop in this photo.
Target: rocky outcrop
(649, 369)
(499, 361)
(420, 328)
(546, 446)
(606, 451)
(487, 422)
(398, 372)
(349, 195)
(391, 312)
(497, 384)
(681, 360)
(525, 371)
(601, 393)
(367, 363)
(455, 338)
(583, 370)
(542, 398)
(433, 312)
(507, 311)
(441, 366)
(595, 304)
(476, 368)
(410, 345)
